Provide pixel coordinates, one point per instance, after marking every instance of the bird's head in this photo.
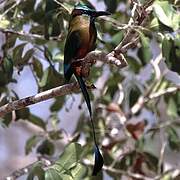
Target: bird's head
(82, 9)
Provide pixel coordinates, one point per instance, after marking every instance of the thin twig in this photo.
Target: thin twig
(144, 99)
(162, 150)
(119, 171)
(168, 172)
(169, 90)
(7, 11)
(20, 172)
(29, 35)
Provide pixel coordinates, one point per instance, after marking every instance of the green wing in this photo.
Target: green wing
(72, 45)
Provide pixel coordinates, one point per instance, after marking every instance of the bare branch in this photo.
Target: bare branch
(119, 171)
(163, 92)
(19, 104)
(144, 99)
(45, 162)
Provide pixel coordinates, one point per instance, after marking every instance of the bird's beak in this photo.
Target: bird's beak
(101, 13)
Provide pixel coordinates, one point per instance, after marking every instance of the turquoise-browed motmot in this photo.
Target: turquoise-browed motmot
(81, 40)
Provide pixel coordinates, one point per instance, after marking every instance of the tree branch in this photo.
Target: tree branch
(58, 91)
(61, 90)
(45, 162)
(110, 58)
(150, 96)
(119, 171)
(30, 36)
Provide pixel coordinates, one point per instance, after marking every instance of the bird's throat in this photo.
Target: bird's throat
(79, 22)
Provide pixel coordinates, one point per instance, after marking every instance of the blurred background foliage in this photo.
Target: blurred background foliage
(33, 34)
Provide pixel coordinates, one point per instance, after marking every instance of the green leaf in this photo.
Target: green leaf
(79, 171)
(95, 73)
(28, 6)
(61, 171)
(53, 174)
(27, 56)
(111, 5)
(67, 167)
(177, 45)
(171, 51)
(172, 108)
(10, 42)
(37, 172)
(134, 95)
(71, 156)
(4, 23)
(37, 121)
(152, 161)
(6, 71)
(17, 52)
(51, 25)
(57, 23)
(154, 24)
(133, 64)
(38, 68)
(30, 143)
(38, 16)
(7, 119)
(58, 104)
(55, 135)
(116, 38)
(46, 148)
(4, 100)
(166, 14)
(22, 114)
(144, 52)
(112, 85)
(173, 139)
(44, 79)
(51, 78)
(166, 47)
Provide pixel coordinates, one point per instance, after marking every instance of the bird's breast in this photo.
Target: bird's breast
(88, 39)
(87, 35)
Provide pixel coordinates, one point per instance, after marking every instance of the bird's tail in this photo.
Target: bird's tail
(85, 93)
(98, 157)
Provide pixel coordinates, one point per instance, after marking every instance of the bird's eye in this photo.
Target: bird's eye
(88, 13)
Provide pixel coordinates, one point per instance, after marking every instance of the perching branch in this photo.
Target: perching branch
(61, 90)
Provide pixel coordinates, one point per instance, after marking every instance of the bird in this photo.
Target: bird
(80, 40)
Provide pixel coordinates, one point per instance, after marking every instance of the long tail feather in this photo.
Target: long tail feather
(98, 157)
(85, 93)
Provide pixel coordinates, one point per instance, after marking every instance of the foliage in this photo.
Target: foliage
(136, 105)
